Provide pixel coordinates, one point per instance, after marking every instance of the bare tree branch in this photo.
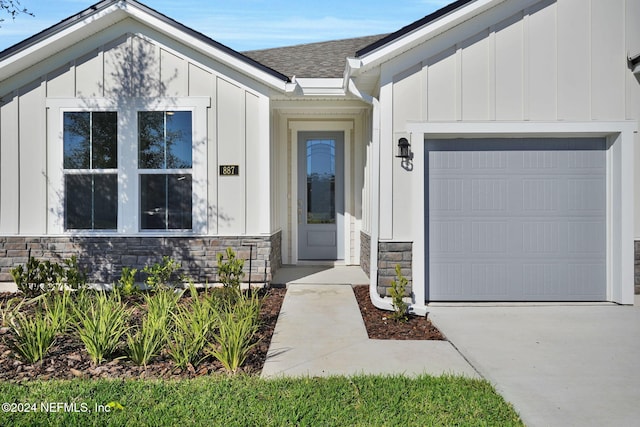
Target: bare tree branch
(13, 8)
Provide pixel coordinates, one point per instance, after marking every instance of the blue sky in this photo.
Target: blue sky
(248, 24)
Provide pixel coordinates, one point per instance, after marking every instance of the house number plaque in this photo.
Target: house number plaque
(229, 170)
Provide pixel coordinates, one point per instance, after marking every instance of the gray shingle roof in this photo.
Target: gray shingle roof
(317, 60)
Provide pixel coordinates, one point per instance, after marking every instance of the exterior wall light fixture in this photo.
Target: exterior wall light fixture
(404, 149)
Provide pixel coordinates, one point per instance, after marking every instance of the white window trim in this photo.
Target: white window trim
(128, 173)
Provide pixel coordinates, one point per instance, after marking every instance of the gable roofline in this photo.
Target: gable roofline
(431, 26)
(413, 26)
(20, 51)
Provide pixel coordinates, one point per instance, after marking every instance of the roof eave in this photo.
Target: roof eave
(428, 28)
(106, 13)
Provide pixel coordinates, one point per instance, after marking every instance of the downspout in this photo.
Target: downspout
(376, 299)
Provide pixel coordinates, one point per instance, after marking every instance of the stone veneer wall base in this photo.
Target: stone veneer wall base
(104, 257)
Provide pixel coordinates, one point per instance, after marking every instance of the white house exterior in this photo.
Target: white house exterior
(125, 136)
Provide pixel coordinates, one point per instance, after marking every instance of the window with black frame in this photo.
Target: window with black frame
(165, 170)
(90, 141)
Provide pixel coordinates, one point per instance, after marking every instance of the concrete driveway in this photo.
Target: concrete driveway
(558, 365)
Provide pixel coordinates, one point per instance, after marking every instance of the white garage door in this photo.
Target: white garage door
(516, 220)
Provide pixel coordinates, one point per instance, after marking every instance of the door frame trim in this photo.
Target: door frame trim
(295, 127)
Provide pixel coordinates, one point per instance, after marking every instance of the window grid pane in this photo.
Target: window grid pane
(164, 140)
(90, 140)
(91, 202)
(166, 202)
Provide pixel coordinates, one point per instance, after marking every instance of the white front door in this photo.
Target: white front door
(320, 195)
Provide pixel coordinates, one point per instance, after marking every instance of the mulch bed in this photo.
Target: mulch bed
(380, 326)
(68, 359)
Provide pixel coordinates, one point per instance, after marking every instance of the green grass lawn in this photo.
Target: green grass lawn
(250, 401)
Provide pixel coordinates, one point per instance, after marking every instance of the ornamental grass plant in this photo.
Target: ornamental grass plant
(237, 326)
(102, 324)
(193, 325)
(33, 335)
(152, 335)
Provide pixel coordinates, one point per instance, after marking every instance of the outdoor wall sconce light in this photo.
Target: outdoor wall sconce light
(404, 149)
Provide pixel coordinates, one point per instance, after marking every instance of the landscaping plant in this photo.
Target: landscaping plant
(161, 274)
(230, 271)
(72, 275)
(11, 307)
(101, 325)
(33, 335)
(397, 291)
(237, 326)
(127, 281)
(147, 342)
(152, 334)
(43, 276)
(193, 324)
(59, 310)
(35, 277)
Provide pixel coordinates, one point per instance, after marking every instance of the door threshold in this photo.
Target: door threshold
(320, 262)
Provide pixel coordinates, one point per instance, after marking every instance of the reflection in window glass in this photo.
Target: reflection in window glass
(90, 140)
(91, 202)
(166, 202)
(164, 139)
(321, 176)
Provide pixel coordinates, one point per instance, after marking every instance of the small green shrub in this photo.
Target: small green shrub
(101, 325)
(127, 281)
(230, 271)
(162, 274)
(237, 326)
(193, 325)
(397, 291)
(36, 277)
(33, 336)
(72, 275)
(43, 276)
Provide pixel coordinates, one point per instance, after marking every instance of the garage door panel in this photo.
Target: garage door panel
(516, 225)
(542, 281)
(489, 280)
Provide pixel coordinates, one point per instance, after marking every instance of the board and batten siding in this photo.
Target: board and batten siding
(119, 68)
(563, 60)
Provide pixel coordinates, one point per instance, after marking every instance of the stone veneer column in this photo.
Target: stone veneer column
(365, 252)
(389, 255)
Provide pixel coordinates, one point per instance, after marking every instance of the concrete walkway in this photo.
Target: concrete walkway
(559, 365)
(320, 332)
